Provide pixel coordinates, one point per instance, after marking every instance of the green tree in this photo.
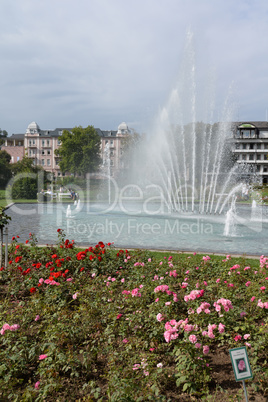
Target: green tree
(3, 135)
(5, 155)
(5, 168)
(79, 152)
(27, 186)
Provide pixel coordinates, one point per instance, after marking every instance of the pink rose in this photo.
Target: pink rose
(192, 338)
(42, 357)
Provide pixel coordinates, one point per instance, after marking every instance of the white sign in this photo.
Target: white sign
(240, 363)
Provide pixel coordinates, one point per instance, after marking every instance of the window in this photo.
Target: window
(112, 142)
(244, 146)
(33, 142)
(237, 146)
(43, 152)
(251, 157)
(43, 143)
(48, 143)
(251, 146)
(263, 134)
(244, 157)
(258, 157)
(48, 151)
(59, 142)
(18, 158)
(43, 162)
(265, 168)
(48, 162)
(30, 143)
(265, 146)
(258, 146)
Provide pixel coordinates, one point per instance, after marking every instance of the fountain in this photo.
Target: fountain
(182, 193)
(187, 159)
(68, 212)
(256, 211)
(78, 205)
(107, 169)
(230, 222)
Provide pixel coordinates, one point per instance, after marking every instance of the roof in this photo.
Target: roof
(16, 137)
(106, 133)
(257, 124)
(53, 133)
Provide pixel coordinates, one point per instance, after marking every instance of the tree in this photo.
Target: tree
(79, 152)
(5, 168)
(3, 135)
(25, 187)
(5, 155)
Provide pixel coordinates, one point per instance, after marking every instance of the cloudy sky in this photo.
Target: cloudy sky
(65, 63)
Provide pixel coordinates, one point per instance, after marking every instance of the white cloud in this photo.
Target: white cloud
(65, 63)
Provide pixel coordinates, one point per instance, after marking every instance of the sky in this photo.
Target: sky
(65, 63)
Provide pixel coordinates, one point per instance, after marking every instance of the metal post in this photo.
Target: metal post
(6, 249)
(245, 390)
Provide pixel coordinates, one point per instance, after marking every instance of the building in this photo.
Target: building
(40, 145)
(112, 147)
(250, 147)
(14, 145)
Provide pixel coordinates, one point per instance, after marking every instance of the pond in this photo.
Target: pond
(130, 226)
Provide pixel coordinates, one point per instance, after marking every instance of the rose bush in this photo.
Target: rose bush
(105, 324)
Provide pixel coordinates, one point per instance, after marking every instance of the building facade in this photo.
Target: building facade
(40, 146)
(250, 147)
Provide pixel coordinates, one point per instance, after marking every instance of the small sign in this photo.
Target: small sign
(240, 363)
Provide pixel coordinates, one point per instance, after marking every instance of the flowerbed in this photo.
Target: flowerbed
(101, 324)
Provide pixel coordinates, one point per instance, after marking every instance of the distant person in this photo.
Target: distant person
(246, 195)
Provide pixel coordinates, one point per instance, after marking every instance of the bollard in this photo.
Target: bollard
(6, 249)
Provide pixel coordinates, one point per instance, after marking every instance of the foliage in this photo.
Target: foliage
(79, 152)
(4, 218)
(102, 324)
(5, 155)
(3, 135)
(5, 169)
(25, 183)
